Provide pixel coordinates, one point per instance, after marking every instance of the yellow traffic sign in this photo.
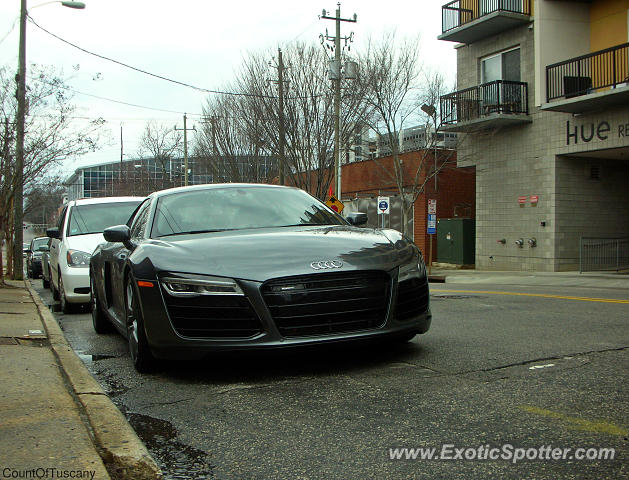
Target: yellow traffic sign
(335, 204)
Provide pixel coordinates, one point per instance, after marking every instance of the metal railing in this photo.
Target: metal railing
(607, 68)
(460, 12)
(499, 96)
(596, 254)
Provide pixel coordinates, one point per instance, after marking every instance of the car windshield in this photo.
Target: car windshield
(39, 242)
(235, 208)
(97, 217)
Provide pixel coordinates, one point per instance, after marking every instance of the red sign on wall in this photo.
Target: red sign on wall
(522, 199)
(534, 198)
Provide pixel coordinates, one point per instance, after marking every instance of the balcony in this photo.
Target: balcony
(590, 82)
(468, 21)
(495, 104)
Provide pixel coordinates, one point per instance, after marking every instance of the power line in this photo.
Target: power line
(145, 72)
(110, 99)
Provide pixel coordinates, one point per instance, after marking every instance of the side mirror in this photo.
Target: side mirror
(118, 233)
(53, 233)
(356, 218)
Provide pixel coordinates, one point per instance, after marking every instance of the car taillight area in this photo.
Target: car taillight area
(327, 304)
(412, 298)
(213, 316)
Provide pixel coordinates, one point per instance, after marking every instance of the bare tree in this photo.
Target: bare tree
(398, 89)
(249, 124)
(162, 144)
(51, 135)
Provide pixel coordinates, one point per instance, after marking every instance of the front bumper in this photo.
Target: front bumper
(76, 283)
(167, 343)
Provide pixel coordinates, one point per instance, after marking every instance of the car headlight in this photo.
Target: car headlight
(192, 287)
(415, 269)
(76, 258)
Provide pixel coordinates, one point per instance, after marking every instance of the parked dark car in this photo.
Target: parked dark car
(34, 255)
(45, 265)
(230, 267)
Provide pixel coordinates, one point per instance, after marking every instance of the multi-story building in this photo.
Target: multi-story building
(543, 114)
(143, 176)
(366, 146)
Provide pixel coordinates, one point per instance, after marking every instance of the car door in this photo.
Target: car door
(117, 257)
(55, 245)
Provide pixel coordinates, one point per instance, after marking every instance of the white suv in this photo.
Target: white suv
(77, 234)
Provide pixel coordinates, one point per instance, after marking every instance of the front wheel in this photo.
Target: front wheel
(141, 355)
(66, 307)
(99, 321)
(55, 292)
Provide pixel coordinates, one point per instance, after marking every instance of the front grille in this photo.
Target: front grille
(328, 303)
(213, 316)
(412, 298)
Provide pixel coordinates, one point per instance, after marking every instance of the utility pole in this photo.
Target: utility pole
(185, 147)
(121, 155)
(18, 198)
(336, 81)
(280, 88)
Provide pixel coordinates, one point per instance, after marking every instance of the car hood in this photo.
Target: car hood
(270, 253)
(85, 243)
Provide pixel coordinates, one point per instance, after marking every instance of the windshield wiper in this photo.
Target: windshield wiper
(192, 232)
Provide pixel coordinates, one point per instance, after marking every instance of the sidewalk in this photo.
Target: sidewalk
(611, 280)
(55, 420)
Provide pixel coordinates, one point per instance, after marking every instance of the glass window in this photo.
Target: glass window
(97, 217)
(139, 222)
(234, 208)
(503, 66)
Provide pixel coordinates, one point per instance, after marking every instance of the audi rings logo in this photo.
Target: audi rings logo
(326, 264)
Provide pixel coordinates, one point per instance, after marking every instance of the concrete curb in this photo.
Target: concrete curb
(115, 440)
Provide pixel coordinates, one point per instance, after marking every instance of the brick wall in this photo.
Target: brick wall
(455, 193)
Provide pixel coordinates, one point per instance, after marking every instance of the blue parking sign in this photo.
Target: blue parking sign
(432, 224)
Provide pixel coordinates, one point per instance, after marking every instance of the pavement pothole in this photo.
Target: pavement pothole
(177, 460)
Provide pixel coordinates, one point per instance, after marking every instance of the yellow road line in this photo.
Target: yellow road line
(543, 295)
(578, 423)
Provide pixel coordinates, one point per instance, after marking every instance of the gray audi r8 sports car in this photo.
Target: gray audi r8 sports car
(212, 268)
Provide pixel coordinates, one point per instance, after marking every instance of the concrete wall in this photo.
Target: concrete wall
(562, 31)
(588, 207)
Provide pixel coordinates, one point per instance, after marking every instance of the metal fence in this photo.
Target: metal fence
(598, 254)
(577, 76)
(460, 12)
(499, 96)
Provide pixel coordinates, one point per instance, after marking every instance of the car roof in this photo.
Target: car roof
(92, 201)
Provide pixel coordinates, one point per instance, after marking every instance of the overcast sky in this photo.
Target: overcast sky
(198, 42)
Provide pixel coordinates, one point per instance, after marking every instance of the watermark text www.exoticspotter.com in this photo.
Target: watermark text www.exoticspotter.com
(41, 473)
(506, 452)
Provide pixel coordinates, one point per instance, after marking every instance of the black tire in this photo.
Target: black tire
(141, 354)
(99, 320)
(55, 292)
(45, 281)
(65, 306)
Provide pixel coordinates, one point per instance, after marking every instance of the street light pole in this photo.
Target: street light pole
(18, 197)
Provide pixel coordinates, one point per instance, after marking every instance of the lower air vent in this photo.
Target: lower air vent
(412, 298)
(213, 316)
(328, 303)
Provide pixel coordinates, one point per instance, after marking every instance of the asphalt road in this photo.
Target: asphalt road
(496, 371)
